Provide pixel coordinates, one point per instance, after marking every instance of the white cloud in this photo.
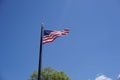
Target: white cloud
(119, 76)
(103, 77)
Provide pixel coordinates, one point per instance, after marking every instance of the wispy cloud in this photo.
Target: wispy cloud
(103, 77)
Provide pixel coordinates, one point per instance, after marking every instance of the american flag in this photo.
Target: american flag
(51, 35)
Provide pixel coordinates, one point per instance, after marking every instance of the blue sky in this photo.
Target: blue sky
(92, 47)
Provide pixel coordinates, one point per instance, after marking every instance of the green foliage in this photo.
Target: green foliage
(50, 73)
(34, 76)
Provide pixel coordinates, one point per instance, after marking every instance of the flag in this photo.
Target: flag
(51, 35)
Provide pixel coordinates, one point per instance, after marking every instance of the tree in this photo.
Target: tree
(50, 73)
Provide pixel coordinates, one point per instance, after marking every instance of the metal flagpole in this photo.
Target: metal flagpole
(40, 54)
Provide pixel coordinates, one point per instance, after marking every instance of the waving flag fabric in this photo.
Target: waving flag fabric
(51, 35)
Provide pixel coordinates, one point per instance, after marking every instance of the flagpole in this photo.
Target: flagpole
(40, 54)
